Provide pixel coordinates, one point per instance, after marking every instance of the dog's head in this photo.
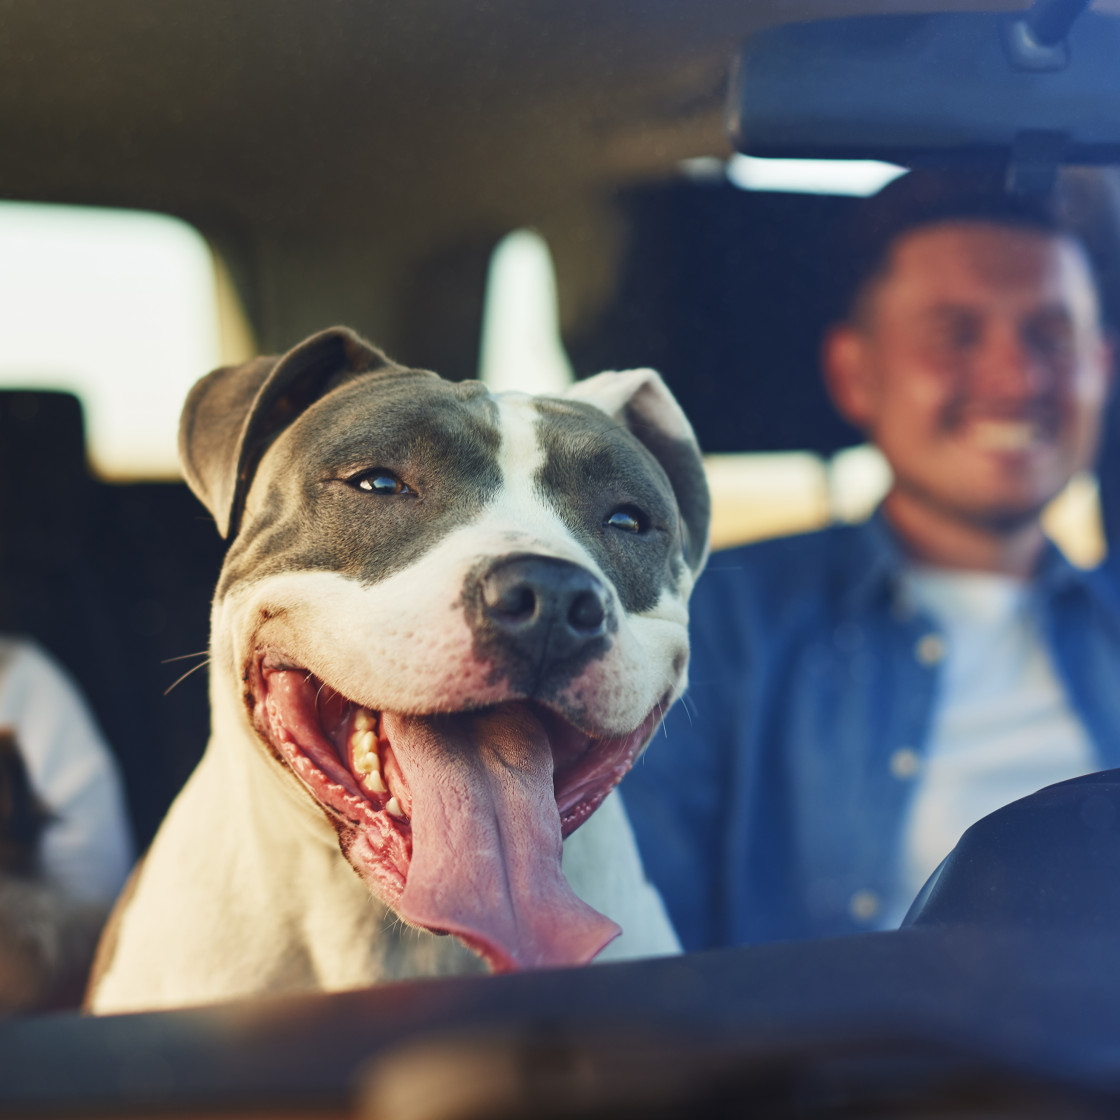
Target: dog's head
(459, 617)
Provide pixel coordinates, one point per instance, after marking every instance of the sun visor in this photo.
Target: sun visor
(947, 88)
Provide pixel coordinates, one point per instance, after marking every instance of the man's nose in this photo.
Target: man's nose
(1008, 366)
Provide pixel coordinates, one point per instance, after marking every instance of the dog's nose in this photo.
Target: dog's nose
(547, 607)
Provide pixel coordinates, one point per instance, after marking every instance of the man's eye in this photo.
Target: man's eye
(953, 333)
(962, 335)
(379, 481)
(1050, 338)
(628, 519)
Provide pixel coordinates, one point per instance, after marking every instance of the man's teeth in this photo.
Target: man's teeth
(393, 807)
(1005, 435)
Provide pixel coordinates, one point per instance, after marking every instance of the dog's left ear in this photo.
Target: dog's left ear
(233, 414)
(639, 400)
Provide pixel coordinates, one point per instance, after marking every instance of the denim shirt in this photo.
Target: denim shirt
(772, 804)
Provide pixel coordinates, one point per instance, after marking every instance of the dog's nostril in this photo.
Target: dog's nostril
(515, 603)
(586, 614)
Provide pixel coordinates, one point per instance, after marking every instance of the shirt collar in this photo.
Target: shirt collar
(1055, 573)
(873, 567)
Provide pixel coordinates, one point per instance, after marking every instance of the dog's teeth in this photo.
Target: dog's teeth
(364, 720)
(393, 807)
(363, 743)
(367, 761)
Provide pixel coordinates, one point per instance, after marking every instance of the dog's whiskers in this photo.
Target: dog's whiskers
(184, 656)
(685, 704)
(395, 923)
(192, 669)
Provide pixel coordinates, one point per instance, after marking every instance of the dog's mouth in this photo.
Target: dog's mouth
(455, 819)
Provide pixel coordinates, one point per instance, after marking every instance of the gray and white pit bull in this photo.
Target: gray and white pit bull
(447, 624)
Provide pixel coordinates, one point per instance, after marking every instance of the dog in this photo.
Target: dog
(447, 624)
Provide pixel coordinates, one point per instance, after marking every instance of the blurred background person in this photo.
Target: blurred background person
(862, 694)
(65, 843)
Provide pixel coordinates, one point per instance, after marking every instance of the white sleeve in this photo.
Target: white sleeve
(87, 845)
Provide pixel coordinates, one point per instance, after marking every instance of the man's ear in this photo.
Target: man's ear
(1108, 351)
(847, 374)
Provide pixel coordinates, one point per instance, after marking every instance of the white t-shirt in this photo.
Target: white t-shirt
(86, 846)
(1002, 725)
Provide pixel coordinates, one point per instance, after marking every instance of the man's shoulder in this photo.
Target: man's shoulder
(805, 560)
(751, 595)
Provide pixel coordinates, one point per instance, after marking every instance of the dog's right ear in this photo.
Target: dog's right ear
(233, 414)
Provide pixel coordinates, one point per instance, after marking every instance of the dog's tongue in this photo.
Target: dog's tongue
(486, 839)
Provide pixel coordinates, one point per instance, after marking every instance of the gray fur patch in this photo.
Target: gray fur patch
(592, 467)
(685, 470)
(439, 438)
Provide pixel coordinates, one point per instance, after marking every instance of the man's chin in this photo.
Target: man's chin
(1009, 520)
(996, 513)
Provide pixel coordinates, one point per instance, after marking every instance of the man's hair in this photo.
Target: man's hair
(926, 198)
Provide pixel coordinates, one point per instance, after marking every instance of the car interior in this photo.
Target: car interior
(360, 163)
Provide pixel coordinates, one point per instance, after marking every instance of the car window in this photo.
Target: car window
(126, 310)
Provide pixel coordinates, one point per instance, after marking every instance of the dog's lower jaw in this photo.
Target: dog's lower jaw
(454, 820)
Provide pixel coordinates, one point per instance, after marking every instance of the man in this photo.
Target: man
(861, 695)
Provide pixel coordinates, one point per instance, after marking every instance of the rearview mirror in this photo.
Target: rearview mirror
(946, 88)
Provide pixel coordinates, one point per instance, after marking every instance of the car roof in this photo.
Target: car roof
(330, 149)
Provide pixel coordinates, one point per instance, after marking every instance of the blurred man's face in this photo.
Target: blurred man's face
(978, 367)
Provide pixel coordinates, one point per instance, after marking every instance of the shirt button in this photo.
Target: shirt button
(905, 763)
(863, 906)
(930, 649)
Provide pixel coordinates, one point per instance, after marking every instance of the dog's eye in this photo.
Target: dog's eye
(379, 481)
(628, 519)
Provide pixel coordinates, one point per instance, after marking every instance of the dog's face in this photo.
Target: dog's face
(459, 617)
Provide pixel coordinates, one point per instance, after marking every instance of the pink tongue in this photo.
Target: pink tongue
(486, 840)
